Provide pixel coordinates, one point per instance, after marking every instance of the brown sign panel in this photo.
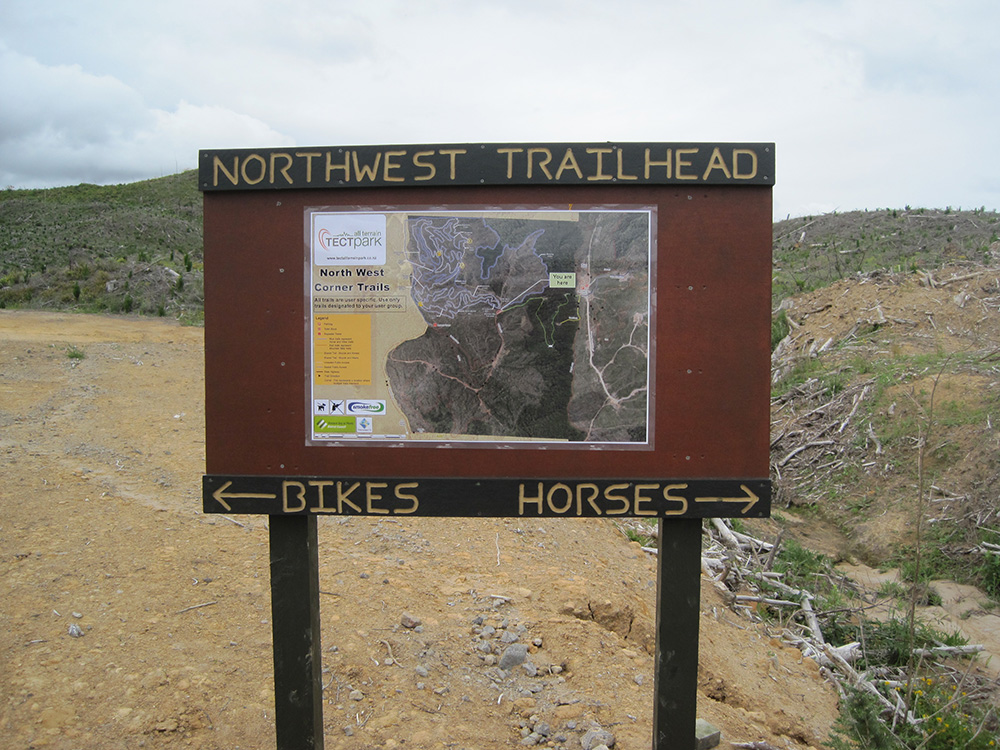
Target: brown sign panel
(557, 333)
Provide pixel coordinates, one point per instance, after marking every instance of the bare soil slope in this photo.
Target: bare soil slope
(101, 533)
(885, 371)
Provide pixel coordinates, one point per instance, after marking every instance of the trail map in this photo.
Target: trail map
(491, 327)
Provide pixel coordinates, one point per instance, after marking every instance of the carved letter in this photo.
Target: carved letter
(284, 169)
(737, 174)
(309, 156)
(431, 170)
(594, 491)
(682, 500)
(622, 175)
(403, 496)
(342, 497)
(623, 499)
(346, 166)
(263, 169)
(371, 496)
(319, 485)
(543, 164)
(366, 170)
(682, 163)
(651, 163)
(510, 159)
(300, 495)
(716, 162)
(234, 176)
(640, 498)
(522, 500)
(569, 498)
(599, 175)
(453, 152)
(568, 162)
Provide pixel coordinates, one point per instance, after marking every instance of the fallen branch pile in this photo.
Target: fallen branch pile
(738, 562)
(815, 435)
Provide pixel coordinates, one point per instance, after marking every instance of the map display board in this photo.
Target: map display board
(479, 330)
(472, 330)
(516, 326)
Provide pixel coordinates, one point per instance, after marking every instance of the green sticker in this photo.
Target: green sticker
(334, 425)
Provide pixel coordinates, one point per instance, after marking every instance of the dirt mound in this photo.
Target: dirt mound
(131, 619)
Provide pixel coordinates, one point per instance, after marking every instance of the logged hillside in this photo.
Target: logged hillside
(885, 365)
(811, 252)
(132, 248)
(885, 453)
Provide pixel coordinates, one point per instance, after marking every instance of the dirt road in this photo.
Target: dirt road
(102, 534)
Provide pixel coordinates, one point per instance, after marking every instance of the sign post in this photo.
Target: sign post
(529, 309)
(298, 686)
(675, 670)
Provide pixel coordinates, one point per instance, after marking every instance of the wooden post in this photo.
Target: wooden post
(678, 605)
(298, 685)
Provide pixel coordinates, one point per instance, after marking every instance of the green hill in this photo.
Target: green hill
(120, 248)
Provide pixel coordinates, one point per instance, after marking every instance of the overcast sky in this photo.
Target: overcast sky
(871, 103)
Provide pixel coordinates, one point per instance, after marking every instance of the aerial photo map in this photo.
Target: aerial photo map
(493, 327)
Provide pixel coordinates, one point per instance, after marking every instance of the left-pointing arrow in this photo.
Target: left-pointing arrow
(750, 498)
(221, 495)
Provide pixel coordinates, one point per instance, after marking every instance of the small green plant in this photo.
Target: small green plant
(803, 370)
(989, 573)
(945, 717)
(74, 353)
(802, 566)
(637, 531)
(780, 328)
(860, 725)
(892, 590)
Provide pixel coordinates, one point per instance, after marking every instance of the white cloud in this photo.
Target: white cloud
(869, 103)
(61, 125)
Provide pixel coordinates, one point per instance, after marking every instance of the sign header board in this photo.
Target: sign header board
(487, 164)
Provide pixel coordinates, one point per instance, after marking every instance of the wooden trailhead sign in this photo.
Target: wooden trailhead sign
(487, 330)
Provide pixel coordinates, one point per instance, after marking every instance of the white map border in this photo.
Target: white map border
(463, 440)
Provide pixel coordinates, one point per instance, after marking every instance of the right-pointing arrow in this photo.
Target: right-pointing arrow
(750, 498)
